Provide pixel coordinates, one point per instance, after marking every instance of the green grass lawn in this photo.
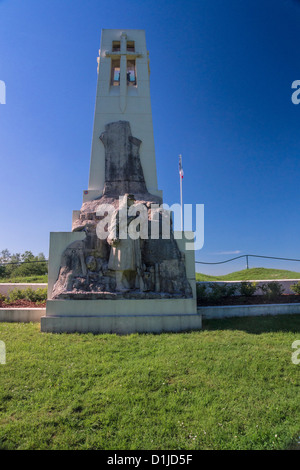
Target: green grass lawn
(26, 279)
(230, 386)
(255, 274)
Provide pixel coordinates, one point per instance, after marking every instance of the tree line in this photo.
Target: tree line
(22, 264)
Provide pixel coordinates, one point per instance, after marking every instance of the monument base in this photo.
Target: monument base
(121, 316)
(122, 324)
(111, 314)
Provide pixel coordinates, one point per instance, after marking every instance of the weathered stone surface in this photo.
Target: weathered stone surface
(123, 169)
(94, 268)
(113, 267)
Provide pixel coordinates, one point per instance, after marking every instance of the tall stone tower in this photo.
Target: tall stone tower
(123, 93)
(105, 281)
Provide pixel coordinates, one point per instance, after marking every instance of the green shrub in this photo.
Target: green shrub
(220, 291)
(272, 290)
(16, 294)
(296, 288)
(247, 289)
(39, 295)
(201, 291)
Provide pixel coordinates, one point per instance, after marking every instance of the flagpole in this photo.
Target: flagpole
(180, 177)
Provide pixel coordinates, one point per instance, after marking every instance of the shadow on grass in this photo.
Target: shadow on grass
(256, 325)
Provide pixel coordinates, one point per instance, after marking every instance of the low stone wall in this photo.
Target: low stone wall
(5, 288)
(285, 283)
(27, 315)
(24, 315)
(248, 310)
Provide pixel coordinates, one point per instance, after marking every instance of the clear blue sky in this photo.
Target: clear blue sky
(221, 75)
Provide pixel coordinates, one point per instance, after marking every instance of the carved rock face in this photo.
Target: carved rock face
(123, 169)
(146, 269)
(94, 268)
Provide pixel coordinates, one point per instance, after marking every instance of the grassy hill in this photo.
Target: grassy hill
(25, 279)
(254, 274)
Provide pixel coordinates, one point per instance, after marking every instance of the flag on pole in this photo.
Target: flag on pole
(181, 177)
(180, 167)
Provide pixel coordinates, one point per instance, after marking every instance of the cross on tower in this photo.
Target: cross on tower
(124, 55)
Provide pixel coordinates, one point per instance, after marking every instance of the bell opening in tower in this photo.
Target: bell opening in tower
(130, 46)
(115, 72)
(131, 73)
(116, 46)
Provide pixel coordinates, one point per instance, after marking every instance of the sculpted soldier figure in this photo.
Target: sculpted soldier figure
(125, 255)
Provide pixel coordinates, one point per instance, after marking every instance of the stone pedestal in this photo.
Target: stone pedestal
(119, 316)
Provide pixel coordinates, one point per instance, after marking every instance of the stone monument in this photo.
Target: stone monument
(119, 271)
